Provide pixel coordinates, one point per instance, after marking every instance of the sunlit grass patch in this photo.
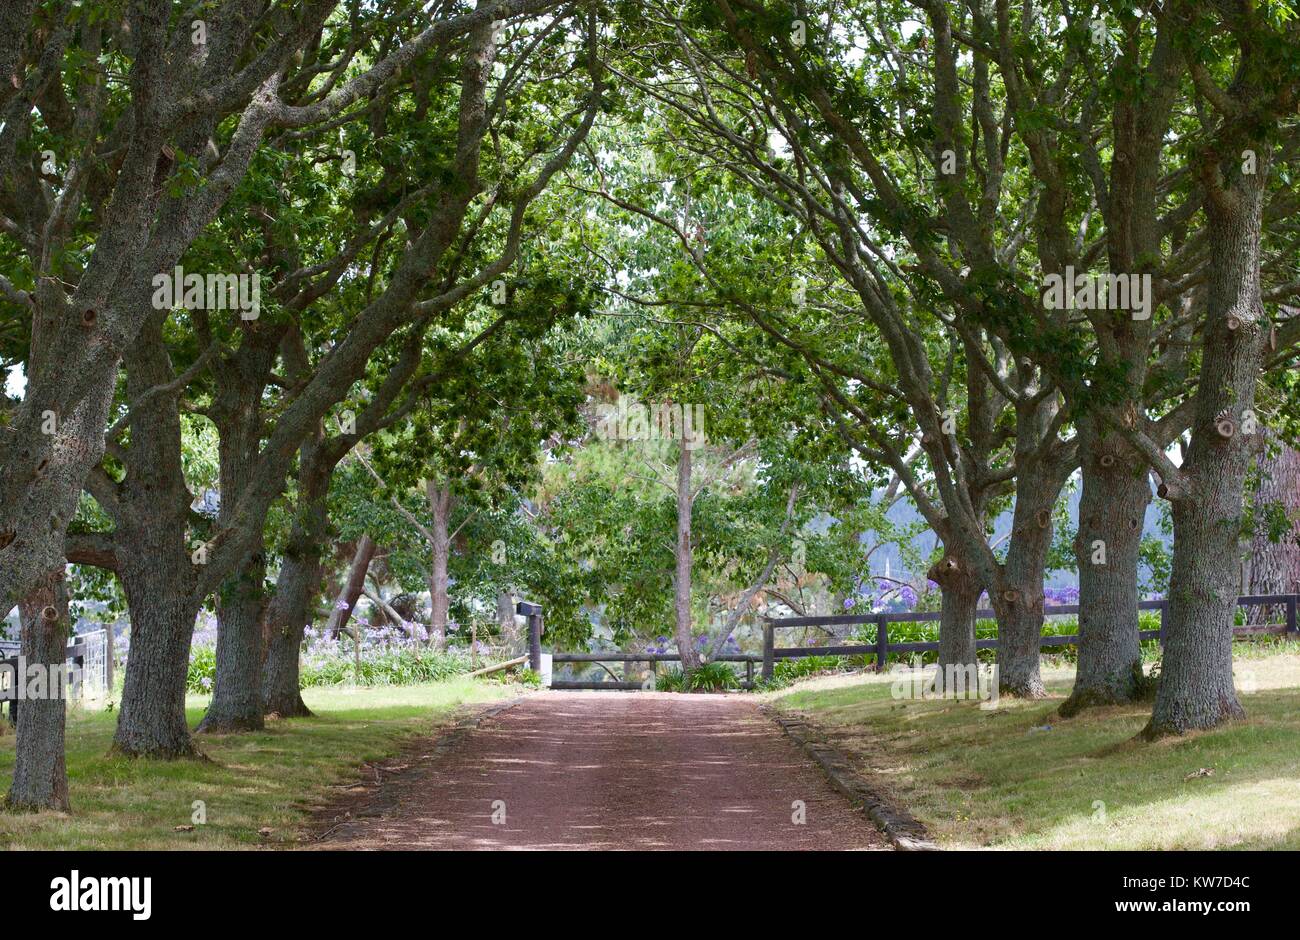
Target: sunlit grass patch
(1018, 776)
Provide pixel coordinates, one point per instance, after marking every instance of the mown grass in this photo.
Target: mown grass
(1019, 777)
(269, 780)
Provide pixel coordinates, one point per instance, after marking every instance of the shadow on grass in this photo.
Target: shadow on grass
(256, 789)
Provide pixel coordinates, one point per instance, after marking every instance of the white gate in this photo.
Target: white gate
(94, 662)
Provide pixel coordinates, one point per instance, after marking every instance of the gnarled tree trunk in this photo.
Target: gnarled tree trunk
(1112, 510)
(295, 595)
(1196, 688)
(152, 721)
(40, 772)
(298, 586)
(156, 567)
(237, 692)
(960, 592)
(1017, 595)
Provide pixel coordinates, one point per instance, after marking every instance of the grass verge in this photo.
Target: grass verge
(269, 780)
(1019, 777)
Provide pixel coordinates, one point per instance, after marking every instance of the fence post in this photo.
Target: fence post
(768, 645)
(882, 642)
(1290, 613)
(534, 614)
(108, 656)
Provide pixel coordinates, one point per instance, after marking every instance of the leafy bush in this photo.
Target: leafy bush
(391, 666)
(711, 677)
(670, 680)
(526, 677)
(379, 666)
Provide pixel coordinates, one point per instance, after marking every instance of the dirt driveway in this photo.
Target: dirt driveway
(609, 770)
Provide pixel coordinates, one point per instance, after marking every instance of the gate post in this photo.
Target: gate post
(882, 642)
(768, 644)
(534, 614)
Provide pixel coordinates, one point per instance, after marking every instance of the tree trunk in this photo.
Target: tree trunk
(1017, 594)
(40, 774)
(1196, 689)
(352, 588)
(298, 586)
(512, 638)
(237, 693)
(1112, 510)
(152, 721)
(439, 601)
(960, 596)
(43, 467)
(288, 614)
(156, 567)
(1273, 567)
(683, 624)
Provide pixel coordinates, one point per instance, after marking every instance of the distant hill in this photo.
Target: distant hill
(904, 513)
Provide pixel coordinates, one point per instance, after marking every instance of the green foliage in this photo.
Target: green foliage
(203, 670)
(383, 667)
(386, 667)
(670, 680)
(713, 677)
(709, 677)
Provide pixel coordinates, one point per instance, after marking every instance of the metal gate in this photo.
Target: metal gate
(94, 662)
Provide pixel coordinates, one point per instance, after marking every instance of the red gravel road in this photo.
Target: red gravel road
(610, 770)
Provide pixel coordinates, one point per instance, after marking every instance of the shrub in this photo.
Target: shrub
(670, 680)
(713, 677)
(203, 670)
(390, 666)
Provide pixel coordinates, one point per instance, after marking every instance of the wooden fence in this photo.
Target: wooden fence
(881, 649)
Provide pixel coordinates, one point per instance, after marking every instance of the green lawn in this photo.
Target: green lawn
(253, 781)
(1001, 778)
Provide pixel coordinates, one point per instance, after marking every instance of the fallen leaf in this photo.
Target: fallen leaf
(1203, 772)
(182, 829)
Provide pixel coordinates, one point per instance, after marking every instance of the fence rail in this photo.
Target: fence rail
(653, 659)
(882, 648)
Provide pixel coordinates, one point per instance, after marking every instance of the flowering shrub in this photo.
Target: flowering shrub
(203, 669)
